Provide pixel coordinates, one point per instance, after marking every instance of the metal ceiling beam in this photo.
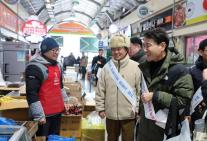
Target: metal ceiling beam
(31, 5)
(93, 1)
(47, 21)
(40, 10)
(80, 12)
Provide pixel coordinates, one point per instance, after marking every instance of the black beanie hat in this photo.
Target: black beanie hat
(48, 44)
(202, 44)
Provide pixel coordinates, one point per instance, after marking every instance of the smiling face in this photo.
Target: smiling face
(203, 53)
(53, 53)
(154, 51)
(133, 49)
(118, 53)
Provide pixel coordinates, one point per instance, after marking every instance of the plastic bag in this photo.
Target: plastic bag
(200, 135)
(59, 138)
(184, 133)
(2, 82)
(94, 119)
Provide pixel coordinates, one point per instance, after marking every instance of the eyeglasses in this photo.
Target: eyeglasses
(57, 50)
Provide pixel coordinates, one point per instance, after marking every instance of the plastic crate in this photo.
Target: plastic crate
(13, 133)
(5, 137)
(59, 138)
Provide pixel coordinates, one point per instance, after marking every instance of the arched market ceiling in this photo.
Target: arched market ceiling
(70, 27)
(88, 12)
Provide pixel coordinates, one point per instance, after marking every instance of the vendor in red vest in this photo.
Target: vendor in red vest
(45, 93)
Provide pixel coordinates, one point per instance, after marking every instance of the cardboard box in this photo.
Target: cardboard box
(93, 135)
(39, 138)
(73, 86)
(19, 114)
(92, 132)
(74, 89)
(16, 102)
(88, 107)
(70, 126)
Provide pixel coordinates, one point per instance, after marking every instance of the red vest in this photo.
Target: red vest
(50, 92)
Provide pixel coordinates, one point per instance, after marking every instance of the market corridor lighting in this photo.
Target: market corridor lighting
(113, 28)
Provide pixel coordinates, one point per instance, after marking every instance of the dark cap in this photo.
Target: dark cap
(136, 40)
(48, 44)
(202, 44)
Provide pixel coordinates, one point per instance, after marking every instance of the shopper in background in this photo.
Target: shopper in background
(78, 60)
(169, 84)
(69, 61)
(199, 75)
(118, 89)
(45, 93)
(83, 65)
(98, 62)
(136, 52)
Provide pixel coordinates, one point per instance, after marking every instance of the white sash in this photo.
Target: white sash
(148, 107)
(123, 86)
(197, 98)
(161, 116)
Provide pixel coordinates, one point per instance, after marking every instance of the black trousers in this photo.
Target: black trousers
(52, 126)
(83, 71)
(115, 128)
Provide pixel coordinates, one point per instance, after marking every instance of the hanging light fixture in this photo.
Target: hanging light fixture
(75, 2)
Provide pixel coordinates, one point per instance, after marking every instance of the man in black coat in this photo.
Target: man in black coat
(98, 62)
(136, 51)
(199, 75)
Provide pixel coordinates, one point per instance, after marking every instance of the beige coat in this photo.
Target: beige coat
(110, 99)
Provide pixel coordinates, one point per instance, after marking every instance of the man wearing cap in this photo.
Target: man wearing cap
(136, 52)
(97, 63)
(118, 90)
(45, 93)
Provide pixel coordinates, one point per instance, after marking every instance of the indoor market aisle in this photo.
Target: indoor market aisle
(88, 88)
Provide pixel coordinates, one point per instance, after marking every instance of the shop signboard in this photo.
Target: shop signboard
(142, 11)
(196, 11)
(89, 44)
(9, 20)
(163, 20)
(33, 27)
(11, 1)
(179, 15)
(34, 31)
(192, 44)
(103, 43)
(135, 29)
(126, 31)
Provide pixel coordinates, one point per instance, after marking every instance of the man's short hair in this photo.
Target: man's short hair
(136, 40)
(158, 35)
(100, 49)
(202, 44)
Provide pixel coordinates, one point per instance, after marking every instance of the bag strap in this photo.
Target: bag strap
(172, 120)
(174, 73)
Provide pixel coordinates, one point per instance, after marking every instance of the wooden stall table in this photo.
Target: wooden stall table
(6, 90)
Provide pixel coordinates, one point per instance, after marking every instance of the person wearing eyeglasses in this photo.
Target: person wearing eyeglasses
(170, 87)
(46, 96)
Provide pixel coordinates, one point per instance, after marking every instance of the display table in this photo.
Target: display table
(9, 89)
